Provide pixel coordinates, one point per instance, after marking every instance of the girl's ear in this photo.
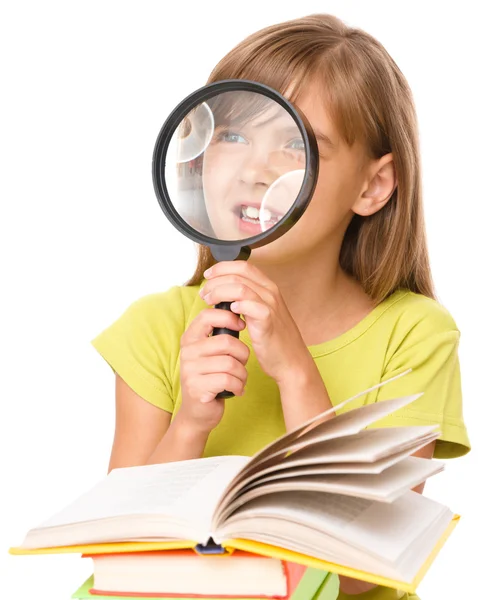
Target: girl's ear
(378, 187)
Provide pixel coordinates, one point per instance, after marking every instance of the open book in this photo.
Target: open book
(331, 494)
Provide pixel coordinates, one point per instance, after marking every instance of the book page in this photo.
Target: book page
(367, 446)
(386, 487)
(388, 406)
(423, 547)
(345, 424)
(309, 542)
(371, 413)
(245, 532)
(377, 528)
(357, 468)
(186, 489)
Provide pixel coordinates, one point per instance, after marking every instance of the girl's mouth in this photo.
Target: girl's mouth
(251, 214)
(252, 221)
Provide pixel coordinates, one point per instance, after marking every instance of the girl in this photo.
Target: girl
(343, 300)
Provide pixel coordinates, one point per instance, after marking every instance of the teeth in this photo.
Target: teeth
(253, 213)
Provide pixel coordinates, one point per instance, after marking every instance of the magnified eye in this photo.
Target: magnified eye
(296, 144)
(230, 137)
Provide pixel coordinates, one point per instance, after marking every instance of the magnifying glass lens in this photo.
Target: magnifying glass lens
(235, 165)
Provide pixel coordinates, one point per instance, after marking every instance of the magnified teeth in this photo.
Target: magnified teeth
(252, 213)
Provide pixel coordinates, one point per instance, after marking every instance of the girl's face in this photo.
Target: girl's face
(233, 178)
(253, 169)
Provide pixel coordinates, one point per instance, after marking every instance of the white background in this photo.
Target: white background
(85, 87)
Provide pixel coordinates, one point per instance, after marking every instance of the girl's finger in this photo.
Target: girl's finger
(204, 323)
(219, 382)
(235, 279)
(217, 345)
(231, 291)
(251, 309)
(221, 364)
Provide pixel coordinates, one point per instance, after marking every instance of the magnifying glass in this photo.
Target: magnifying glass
(235, 165)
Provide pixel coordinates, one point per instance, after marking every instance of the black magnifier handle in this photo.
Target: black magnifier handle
(217, 331)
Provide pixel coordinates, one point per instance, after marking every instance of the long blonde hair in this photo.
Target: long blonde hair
(370, 101)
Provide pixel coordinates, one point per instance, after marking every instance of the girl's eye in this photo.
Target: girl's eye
(231, 137)
(297, 144)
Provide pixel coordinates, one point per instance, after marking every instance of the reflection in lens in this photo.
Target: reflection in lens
(194, 133)
(280, 196)
(235, 165)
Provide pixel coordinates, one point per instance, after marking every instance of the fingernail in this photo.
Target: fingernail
(207, 272)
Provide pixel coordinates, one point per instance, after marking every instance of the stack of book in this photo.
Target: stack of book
(332, 496)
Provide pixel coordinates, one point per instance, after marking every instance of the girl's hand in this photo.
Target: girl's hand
(276, 340)
(209, 365)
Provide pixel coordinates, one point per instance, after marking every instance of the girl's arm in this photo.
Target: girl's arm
(143, 434)
(304, 395)
(181, 442)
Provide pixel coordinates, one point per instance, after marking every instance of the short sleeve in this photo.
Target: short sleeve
(142, 345)
(426, 340)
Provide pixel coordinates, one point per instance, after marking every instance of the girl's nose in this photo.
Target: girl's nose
(264, 167)
(254, 168)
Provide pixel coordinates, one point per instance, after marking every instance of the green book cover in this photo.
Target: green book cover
(314, 585)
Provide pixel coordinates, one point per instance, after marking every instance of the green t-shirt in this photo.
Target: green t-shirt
(405, 330)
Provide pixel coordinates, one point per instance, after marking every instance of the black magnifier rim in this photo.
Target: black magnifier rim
(172, 122)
